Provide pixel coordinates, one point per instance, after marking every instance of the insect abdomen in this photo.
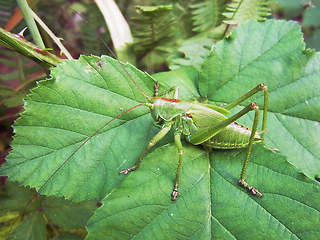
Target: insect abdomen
(233, 136)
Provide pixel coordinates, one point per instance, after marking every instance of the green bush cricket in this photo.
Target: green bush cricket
(203, 124)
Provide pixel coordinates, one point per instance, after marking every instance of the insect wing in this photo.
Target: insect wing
(206, 121)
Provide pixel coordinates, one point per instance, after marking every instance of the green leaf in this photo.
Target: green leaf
(185, 77)
(292, 4)
(64, 111)
(194, 51)
(55, 211)
(14, 198)
(274, 54)
(211, 204)
(142, 206)
(64, 214)
(67, 236)
(313, 41)
(311, 17)
(32, 228)
(285, 211)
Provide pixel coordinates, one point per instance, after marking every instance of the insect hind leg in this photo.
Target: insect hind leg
(258, 88)
(242, 181)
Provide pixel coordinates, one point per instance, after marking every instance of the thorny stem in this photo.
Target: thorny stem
(25, 10)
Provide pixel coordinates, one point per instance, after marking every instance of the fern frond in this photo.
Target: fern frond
(153, 28)
(207, 14)
(242, 10)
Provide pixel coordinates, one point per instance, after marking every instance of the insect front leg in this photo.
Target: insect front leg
(152, 142)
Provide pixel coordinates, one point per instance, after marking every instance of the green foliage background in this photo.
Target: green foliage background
(82, 95)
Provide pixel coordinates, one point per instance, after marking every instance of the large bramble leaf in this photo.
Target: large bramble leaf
(83, 95)
(212, 205)
(64, 111)
(275, 56)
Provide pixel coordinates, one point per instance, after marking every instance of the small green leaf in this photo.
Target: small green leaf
(194, 51)
(14, 198)
(311, 17)
(206, 15)
(185, 77)
(67, 236)
(313, 41)
(68, 215)
(292, 4)
(153, 28)
(32, 228)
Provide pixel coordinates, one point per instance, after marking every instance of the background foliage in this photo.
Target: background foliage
(177, 35)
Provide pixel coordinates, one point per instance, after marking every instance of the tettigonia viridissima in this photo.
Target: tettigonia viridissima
(203, 124)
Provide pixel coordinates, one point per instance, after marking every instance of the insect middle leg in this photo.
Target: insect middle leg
(177, 141)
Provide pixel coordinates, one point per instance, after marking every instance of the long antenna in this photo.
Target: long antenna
(135, 83)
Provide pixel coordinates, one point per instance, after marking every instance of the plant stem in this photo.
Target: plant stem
(25, 10)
